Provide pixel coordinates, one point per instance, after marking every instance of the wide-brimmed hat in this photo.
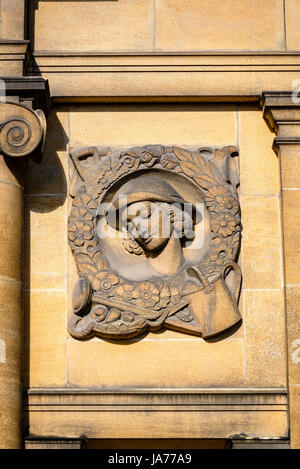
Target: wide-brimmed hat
(141, 189)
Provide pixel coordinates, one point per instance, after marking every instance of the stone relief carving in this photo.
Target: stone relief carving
(133, 277)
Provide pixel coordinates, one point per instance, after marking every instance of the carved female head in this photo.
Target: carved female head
(149, 212)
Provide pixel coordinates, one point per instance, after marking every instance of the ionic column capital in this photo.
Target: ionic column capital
(22, 131)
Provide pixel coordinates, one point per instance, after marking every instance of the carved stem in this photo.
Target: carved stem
(146, 313)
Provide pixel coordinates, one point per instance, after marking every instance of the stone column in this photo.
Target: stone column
(22, 133)
(282, 113)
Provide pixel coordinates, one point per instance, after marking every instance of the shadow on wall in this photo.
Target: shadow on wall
(45, 190)
(48, 178)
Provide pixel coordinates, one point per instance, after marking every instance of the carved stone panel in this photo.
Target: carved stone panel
(155, 231)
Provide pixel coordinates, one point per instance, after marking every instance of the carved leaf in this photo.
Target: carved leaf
(199, 161)
(235, 241)
(101, 265)
(182, 154)
(82, 258)
(87, 269)
(214, 172)
(204, 181)
(190, 169)
(194, 165)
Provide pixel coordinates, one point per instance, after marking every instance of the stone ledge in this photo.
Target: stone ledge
(260, 444)
(157, 413)
(97, 76)
(33, 90)
(15, 57)
(218, 399)
(48, 443)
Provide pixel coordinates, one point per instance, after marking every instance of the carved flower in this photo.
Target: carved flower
(169, 161)
(148, 159)
(175, 296)
(130, 161)
(219, 199)
(221, 252)
(164, 297)
(127, 291)
(127, 316)
(210, 265)
(231, 205)
(104, 281)
(223, 224)
(82, 200)
(79, 232)
(148, 294)
(90, 247)
(82, 212)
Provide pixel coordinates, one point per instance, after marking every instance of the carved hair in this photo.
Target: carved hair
(131, 245)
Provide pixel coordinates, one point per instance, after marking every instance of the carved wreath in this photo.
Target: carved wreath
(220, 199)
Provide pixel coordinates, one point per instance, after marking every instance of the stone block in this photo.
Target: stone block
(261, 242)
(191, 25)
(265, 343)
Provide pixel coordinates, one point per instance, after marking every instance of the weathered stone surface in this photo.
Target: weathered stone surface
(181, 413)
(45, 241)
(295, 416)
(259, 166)
(11, 230)
(265, 341)
(45, 340)
(261, 245)
(191, 25)
(293, 325)
(292, 19)
(50, 176)
(12, 19)
(290, 166)
(291, 213)
(165, 124)
(100, 26)
(185, 363)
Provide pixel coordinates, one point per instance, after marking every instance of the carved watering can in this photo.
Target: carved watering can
(212, 304)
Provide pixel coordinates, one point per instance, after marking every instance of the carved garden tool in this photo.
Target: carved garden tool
(84, 304)
(213, 306)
